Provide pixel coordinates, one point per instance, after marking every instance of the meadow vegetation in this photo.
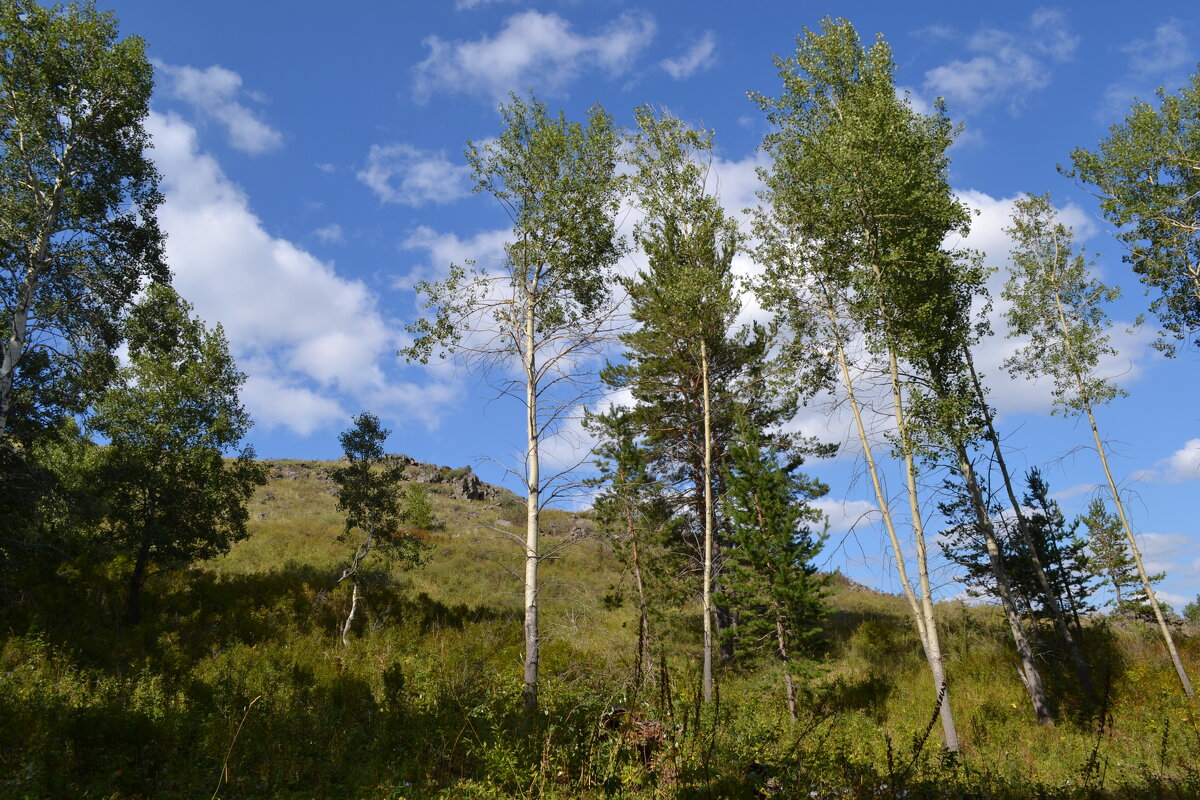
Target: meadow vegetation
(236, 685)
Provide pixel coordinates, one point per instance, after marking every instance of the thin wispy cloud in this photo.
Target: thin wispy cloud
(696, 58)
(1162, 58)
(1007, 65)
(214, 94)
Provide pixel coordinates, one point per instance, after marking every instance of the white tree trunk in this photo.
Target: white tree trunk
(1032, 677)
(533, 485)
(949, 730)
(708, 528)
(933, 642)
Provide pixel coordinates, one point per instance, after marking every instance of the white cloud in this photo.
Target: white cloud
(1182, 465)
(532, 51)
(401, 173)
(1008, 65)
(697, 57)
(311, 341)
(485, 249)
(1160, 59)
(213, 93)
(1165, 552)
(330, 234)
(846, 515)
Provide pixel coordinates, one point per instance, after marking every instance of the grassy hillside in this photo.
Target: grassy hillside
(236, 684)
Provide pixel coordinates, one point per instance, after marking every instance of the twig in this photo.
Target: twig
(224, 774)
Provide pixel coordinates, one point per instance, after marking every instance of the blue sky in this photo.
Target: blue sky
(312, 167)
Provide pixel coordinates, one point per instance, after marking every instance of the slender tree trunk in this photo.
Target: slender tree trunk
(1112, 485)
(1056, 612)
(1137, 558)
(1032, 677)
(14, 347)
(934, 648)
(781, 640)
(643, 646)
(949, 730)
(533, 508)
(708, 528)
(355, 596)
(351, 572)
(133, 608)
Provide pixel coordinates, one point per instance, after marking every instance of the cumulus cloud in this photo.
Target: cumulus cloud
(214, 93)
(696, 58)
(1182, 465)
(532, 51)
(1007, 65)
(310, 340)
(401, 173)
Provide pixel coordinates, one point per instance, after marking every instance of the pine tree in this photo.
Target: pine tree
(1112, 562)
(689, 367)
(769, 576)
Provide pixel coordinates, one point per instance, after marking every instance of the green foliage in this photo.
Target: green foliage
(368, 494)
(557, 181)
(770, 577)
(859, 194)
(1062, 553)
(1059, 306)
(1112, 561)
(416, 510)
(1146, 176)
(170, 417)
(77, 206)
(1191, 611)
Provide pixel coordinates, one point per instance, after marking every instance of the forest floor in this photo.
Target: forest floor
(236, 684)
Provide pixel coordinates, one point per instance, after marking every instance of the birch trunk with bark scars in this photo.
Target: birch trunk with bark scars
(533, 508)
(934, 648)
(1060, 620)
(931, 649)
(1030, 674)
(708, 527)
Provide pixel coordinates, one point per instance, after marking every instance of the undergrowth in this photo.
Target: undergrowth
(236, 686)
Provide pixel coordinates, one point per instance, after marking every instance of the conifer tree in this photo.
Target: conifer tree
(770, 577)
(1112, 562)
(689, 367)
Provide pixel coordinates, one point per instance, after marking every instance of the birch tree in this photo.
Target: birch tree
(1058, 306)
(859, 205)
(368, 493)
(1147, 174)
(548, 309)
(78, 194)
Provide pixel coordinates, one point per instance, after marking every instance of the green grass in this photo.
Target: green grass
(426, 700)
